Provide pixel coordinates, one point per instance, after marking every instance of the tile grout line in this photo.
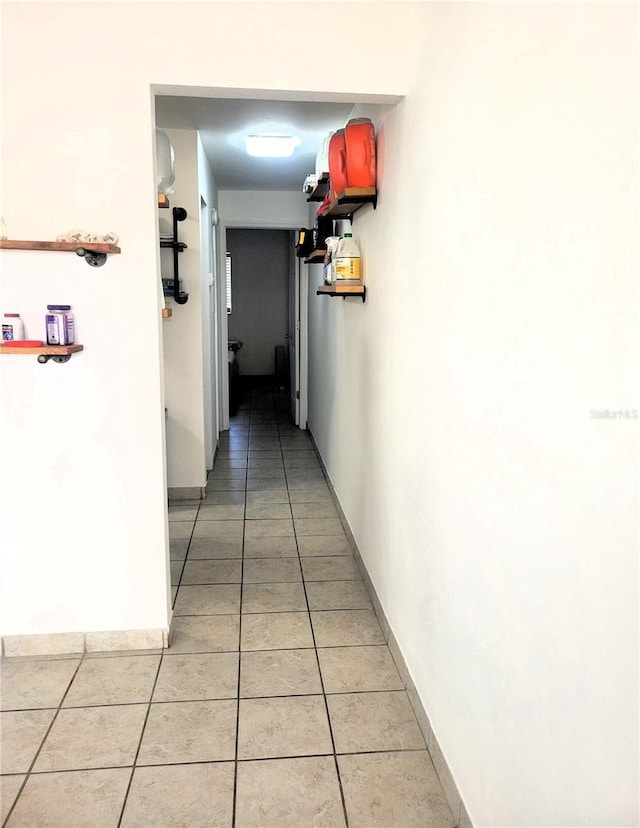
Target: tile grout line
(44, 738)
(244, 526)
(186, 555)
(144, 727)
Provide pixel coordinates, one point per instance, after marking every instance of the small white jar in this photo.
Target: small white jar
(12, 327)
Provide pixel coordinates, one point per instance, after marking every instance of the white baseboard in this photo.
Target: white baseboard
(14, 646)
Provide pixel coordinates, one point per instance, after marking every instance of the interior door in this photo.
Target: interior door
(293, 335)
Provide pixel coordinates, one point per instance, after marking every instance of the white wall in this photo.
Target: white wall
(183, 331)
(208, 274)
(260, 296)
(497, 519)
(273, 208)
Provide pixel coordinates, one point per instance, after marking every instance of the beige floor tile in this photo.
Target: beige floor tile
(221, 512)
(308, 460)
(346, 628)
(22, 733)
(412, 795)
(210, 599)
(270, 473)
(224, 499)
(197, 731)
(212, 572)
(117, 680)
(358, 669)
(269, 443)
(285, 597)
(175, 571)
(291, 726)
(178, 549)
(337, 595)
(230, 463)
(324, 509)
(266, 484)
(72, 800)
(227, 473)
(270, 548)
(181, 796)
(185, 510)
(205, 634)
(265, 463)
(271, 570)
(276, 631)
(219, 530)
(330, 568)
(264, 498)
(315, 494)
(289, 793)
(9, 787)
(212, 548)
(305, 479)
(180, 529)
(268, 511)
(215, 484)
(269, 528)
(374, 721)
(322, 545)
(27, 685)
(197, 676)
(279, 673)
(318, 526)
(92, 737)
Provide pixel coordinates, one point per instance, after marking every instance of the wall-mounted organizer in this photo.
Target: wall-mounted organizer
(179, 214)
(57, 353)
(93, 253)
(342, 290)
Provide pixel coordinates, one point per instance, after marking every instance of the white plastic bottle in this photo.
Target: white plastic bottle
(12, 327)
(348, 269)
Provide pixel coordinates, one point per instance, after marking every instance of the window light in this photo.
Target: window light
(228, 281)
(271, 145)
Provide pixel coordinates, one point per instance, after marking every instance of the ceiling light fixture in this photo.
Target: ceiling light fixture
(271, 145)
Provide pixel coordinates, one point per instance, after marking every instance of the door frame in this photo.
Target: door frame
(223, 322)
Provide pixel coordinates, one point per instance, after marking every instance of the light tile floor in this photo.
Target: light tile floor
(278, 703)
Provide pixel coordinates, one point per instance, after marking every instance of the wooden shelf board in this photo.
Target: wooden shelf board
(163, 200)
(350, 200)
(53, 350)
(341, 290)
(320, 190)
(316, 257)
(167, 313)
(71, 247)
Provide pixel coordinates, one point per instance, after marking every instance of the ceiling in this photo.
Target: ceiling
(223, 124)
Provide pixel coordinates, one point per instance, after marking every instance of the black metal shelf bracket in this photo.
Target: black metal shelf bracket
(92, 257)
(44, 358)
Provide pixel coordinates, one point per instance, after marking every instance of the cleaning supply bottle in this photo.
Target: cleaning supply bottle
(348, 262)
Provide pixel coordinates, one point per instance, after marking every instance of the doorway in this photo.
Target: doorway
(263, 312)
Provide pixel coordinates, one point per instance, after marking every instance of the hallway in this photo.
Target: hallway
(277, 704)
